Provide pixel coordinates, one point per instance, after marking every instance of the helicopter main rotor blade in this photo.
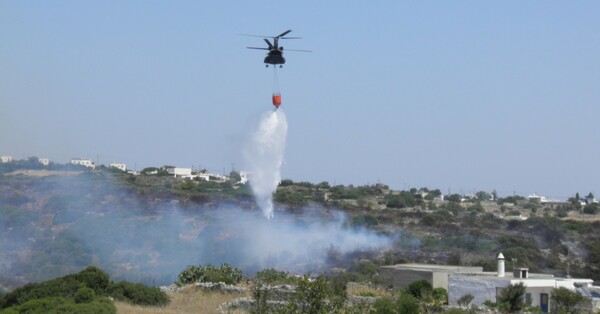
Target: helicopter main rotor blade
(259, 36)
(269, 43)
(284, 33)
(299, 50)
(257, 48)
(290, 37)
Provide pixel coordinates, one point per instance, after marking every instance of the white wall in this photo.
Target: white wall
(481, 289)
(183, 171)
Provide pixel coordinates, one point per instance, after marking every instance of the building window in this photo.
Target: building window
(528, 299)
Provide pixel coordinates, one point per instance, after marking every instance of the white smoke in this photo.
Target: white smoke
(264, 155)
(152, 237)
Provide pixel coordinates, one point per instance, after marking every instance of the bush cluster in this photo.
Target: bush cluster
(272, 276)
(137, 294)
(209, 273)
(60, 305)
(84, 292)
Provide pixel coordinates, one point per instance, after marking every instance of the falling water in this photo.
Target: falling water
(264, 156)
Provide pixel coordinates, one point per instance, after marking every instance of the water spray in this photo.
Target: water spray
(264, 156)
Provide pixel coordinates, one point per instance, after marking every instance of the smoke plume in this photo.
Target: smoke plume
(264, 155)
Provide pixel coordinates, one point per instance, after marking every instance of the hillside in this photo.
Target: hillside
(148, 228)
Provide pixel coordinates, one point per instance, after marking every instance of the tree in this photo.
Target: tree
(454, 198)
(511, 298)
(235, 176)
(566, 301)
(483, 196)
(323, 185)
(590, 196)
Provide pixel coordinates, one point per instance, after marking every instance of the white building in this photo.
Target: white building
(44, 161)
(5, 159)
(185, 173)
(83, 162)
(122, 167)
(487, 286)
(203, 176)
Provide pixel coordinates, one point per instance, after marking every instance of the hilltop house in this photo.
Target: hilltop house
(185, 173)
(44, 161)
(83, 162)
(5, 159)
(122, 167)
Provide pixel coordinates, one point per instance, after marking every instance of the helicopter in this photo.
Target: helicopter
(275, 54)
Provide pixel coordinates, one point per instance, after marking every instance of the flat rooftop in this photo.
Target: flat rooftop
(431, 267)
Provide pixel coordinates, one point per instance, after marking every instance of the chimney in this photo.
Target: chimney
(500, 265)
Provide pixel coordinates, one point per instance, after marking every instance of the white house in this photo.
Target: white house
(119, 166)
(5, 159)
(83, 162)
(487, 286)
(203, 176)
(44, 161)
(180, 172)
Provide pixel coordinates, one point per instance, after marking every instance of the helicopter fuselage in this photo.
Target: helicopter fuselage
(274, 56)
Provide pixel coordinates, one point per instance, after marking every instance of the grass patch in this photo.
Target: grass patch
(188, 300)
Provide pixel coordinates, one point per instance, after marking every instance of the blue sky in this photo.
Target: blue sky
(456, 95)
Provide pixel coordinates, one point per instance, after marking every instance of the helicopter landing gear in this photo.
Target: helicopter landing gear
(266, 65)
(281, 66)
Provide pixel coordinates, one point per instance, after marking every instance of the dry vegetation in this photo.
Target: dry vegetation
(188, 300)
(367, 290)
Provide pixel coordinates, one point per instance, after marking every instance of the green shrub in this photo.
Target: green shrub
(420, 289)
(260, 295)
(59, 305)
(591, 209)
(407, 304)
(511, 298)
(225, 273)
(84, 295)
(273, 276)
(82, 292)
(315, 296)
(339, 285)
(137, 294)
(43, 305)
(385, 305)
(365, 267)
(65, 287)
(363, 221)
(94, 278)
(99, 306)
(566, 301)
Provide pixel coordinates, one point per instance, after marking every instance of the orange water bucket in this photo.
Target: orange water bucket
(276, 100)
